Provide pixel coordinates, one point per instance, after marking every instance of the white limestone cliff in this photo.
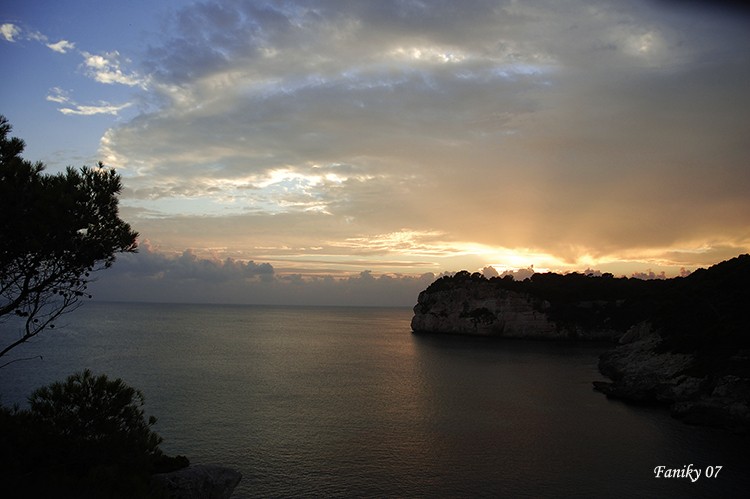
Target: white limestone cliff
(479, 308)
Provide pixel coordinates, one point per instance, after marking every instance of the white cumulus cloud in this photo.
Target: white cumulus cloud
(10, 31)
(106, 68)
(62, 47)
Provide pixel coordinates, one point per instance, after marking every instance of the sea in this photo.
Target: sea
(348, 402)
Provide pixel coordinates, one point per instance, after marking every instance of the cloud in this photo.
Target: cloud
(106, 68)
(10, 31)
(60, 96)
(517, 274)
(188, 266)
(403, 241)
(584, 131)
(102, 108)
(62, 47)
(490, 272)
(103, 68)
(649, 275)
(151, 275)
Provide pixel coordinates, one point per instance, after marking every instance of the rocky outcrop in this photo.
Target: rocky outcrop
(478, 307)
(197, 482)
(642, 372)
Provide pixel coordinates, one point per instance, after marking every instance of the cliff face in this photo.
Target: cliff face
(478, 307)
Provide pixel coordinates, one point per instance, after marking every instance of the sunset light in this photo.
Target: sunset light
(374, 248)
(405, 140)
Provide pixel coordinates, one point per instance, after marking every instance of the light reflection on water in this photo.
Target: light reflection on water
(345, 401)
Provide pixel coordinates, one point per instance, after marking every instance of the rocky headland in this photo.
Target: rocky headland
(682, 342)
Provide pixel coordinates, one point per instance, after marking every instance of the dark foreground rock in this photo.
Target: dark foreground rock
(643, 373)
(197, 482)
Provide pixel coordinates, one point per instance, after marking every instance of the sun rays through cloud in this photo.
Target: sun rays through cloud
(400, 137)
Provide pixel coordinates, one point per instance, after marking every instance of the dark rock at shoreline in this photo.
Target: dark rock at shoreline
(197, 482)
(642, 373)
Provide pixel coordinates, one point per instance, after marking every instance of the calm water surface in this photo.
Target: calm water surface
(347, 402)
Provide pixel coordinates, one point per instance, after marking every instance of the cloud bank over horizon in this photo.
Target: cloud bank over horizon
(153, 276)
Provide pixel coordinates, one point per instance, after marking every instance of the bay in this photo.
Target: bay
(341, 402)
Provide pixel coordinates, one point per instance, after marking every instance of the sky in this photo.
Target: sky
(349, 152)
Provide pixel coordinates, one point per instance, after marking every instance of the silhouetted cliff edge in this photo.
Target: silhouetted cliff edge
(684, 342)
